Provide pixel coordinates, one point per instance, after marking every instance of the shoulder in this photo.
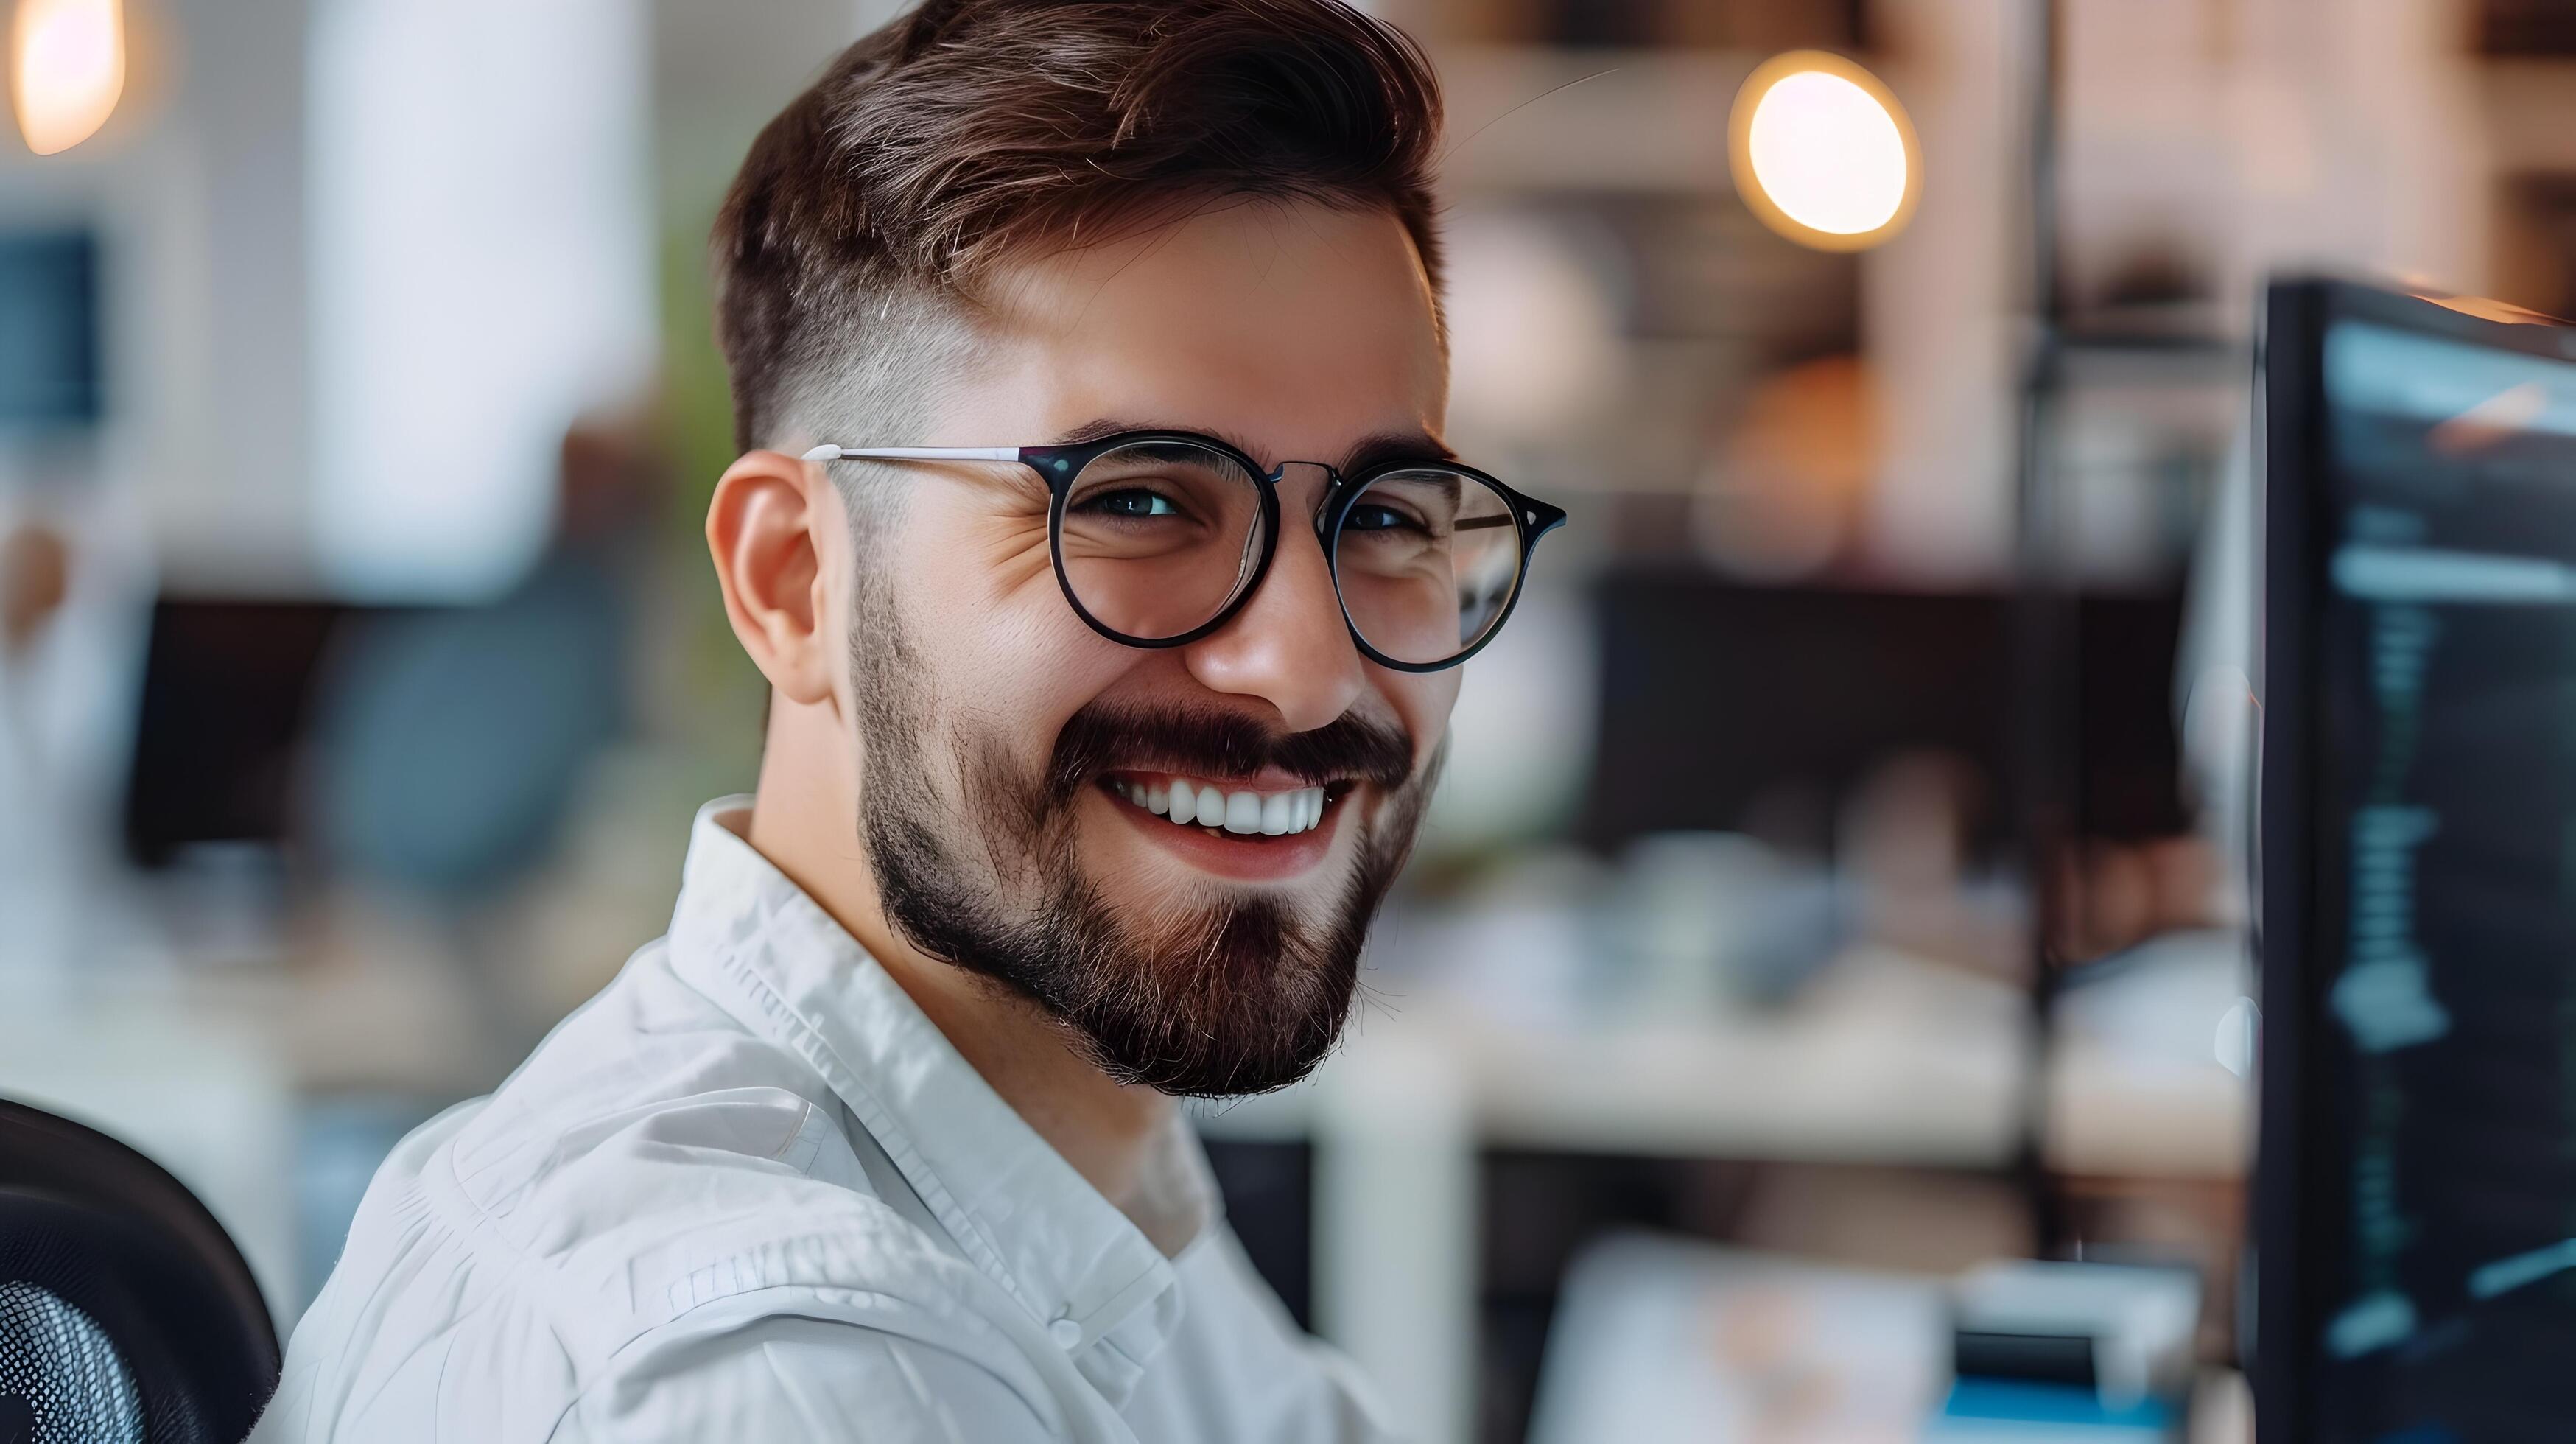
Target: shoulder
(652, 1179)
(646, 1083)
(654, 1155)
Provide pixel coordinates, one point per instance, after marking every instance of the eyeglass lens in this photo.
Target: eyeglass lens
(1160, 537)
(1427, 560)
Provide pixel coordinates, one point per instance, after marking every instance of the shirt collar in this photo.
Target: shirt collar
(751, 939)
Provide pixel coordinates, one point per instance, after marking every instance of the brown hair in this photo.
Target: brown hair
(968, 132)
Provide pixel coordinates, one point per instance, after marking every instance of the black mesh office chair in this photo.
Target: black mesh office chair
(126, 1314)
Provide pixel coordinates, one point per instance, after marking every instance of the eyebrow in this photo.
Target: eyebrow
(1368, 451)
(1395, 446)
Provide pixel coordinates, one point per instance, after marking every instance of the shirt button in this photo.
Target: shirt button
(1065, 1332)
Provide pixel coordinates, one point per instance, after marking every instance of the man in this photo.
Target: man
(1094, 534)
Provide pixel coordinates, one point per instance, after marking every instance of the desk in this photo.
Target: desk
(1662, 1340)
(1890, 1060)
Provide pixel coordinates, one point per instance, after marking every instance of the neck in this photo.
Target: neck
(809, 832)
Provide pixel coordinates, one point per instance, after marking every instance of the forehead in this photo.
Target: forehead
(1295, 327)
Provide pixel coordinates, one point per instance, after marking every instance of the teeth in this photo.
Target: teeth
(1244, 813)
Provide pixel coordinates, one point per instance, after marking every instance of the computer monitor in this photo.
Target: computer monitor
(1717, 695)
(49, 330)
(226, 710)
(2416, 1191)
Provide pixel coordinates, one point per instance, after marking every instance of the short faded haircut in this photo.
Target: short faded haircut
(968, 133)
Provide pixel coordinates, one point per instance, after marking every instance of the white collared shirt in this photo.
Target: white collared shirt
(750, 1192)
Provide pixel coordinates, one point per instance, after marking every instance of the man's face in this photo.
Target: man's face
(1008, 751)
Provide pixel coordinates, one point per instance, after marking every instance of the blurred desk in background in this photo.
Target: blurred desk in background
(1888, 1059)
(1663, 1340)
(1891, 1060)
(2152, 1073)
(1668, 1339)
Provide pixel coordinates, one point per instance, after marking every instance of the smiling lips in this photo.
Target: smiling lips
(1242, 811)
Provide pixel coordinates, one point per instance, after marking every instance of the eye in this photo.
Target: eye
(1369, 516)
(1129, 502)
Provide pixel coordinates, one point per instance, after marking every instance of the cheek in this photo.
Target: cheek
(1012, 657)
(1011, 556)
(1422, 703)
(965, 572)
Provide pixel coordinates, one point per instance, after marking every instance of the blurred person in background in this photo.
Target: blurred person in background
(75, 590)
(35, 578)
(453, 749)
(454, 741)
(1094, 533)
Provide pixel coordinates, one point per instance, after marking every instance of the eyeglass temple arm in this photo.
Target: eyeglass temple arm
(914, 453)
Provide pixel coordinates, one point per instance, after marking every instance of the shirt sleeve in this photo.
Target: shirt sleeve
(787, 1379)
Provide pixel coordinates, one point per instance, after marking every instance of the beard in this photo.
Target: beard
(1222, 996)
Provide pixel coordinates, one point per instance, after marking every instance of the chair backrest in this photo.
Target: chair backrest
(127, 1316)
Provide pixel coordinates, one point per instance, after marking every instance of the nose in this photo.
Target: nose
(1289, 645)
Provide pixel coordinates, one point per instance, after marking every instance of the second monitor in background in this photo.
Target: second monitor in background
(1737, 708)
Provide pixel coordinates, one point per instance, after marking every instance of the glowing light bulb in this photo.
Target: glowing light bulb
(68, 68)
(1823, 152)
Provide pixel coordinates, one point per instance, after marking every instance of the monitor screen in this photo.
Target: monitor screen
(228, 691)
(1718, 699)
(2417, 1236)
(49, 362)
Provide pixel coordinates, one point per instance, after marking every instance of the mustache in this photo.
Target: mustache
(1101, 738)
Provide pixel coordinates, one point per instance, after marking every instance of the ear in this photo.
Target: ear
(766, 530)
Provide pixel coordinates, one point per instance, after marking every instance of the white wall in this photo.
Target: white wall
(481, 234)
(441, 240)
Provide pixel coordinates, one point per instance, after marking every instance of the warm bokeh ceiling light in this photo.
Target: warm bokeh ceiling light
(1823, 152)
(67, 68)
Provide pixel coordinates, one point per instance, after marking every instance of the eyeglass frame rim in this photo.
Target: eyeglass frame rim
(1058, 467)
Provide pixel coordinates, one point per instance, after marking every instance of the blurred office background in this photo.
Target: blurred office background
(1839, 880)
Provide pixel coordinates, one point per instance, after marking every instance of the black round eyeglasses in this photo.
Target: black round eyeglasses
(1160, 537)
